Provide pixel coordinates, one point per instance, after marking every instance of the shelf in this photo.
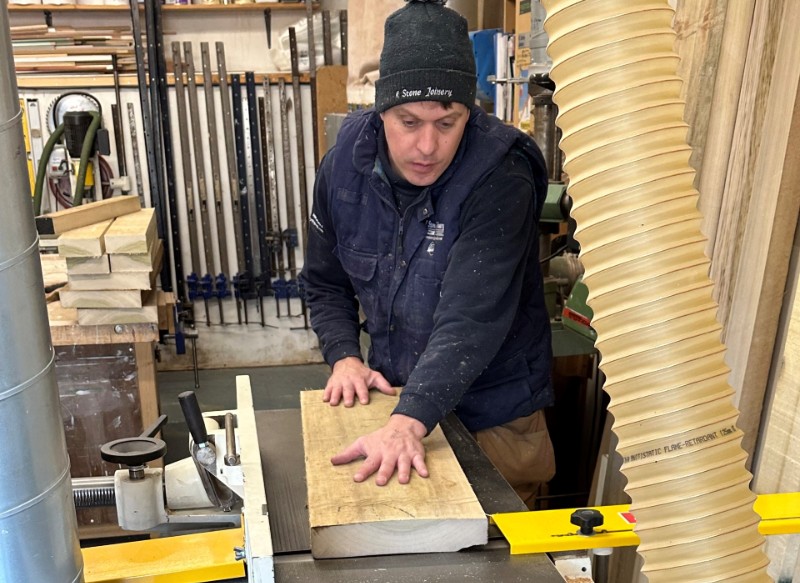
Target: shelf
(77, 81)
(166, 7)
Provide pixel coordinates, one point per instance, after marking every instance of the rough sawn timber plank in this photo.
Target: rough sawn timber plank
(81, 216)
(348, 519)
(132, 234)
(84, 241)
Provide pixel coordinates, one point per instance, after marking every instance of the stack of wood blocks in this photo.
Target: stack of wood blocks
(111, 269)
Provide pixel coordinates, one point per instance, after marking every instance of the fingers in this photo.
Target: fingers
(370, 465)
(345, 392)
(348, 454)
(403, 469)
(419, 464)
(363, 394)
(379, 382)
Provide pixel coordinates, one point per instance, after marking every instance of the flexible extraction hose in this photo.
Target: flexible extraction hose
(627, 159)
(86, 153)
(41, 171)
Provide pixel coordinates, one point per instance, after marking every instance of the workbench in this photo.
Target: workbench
(282, 458)
(107, 389)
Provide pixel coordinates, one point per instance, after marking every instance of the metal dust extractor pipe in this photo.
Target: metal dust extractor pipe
(38, 530)
(627, 159)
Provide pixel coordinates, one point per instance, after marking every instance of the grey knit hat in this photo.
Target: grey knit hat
(427, 56)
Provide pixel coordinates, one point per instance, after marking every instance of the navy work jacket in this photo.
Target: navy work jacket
(395, 266)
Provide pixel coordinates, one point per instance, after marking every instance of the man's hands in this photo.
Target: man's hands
(396, 445)
(351, 377)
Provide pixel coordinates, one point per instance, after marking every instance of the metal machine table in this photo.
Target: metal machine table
(281, 445)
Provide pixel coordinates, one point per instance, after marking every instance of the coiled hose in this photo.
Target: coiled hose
(627, 158)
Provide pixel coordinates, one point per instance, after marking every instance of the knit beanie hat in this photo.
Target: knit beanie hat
(427, 56)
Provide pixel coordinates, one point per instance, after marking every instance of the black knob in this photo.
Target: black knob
(587, 519)
(194, 417)
(133, 451)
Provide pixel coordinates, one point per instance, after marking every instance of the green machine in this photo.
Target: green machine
(565, 292)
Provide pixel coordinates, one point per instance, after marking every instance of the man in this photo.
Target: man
(425, 214)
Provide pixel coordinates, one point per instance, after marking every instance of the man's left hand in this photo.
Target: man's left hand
(395, 446)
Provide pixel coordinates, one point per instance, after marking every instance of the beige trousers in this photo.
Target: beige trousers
(522, 452)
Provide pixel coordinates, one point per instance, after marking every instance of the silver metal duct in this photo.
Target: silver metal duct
(38, 529)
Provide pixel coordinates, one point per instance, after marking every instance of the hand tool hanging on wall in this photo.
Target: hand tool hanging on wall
(206, 281)
(268, 26)
(116, 117)
(151, 139)
(157, 65)
(301, 150)
(312, 72)
(327, 46)
(343, 34)
(243, 282)
(230, 153)
(221, 281)
(274, 217)
(137, 163)
(299, 138)
(193, 280)
(290, 233)
(264, 280)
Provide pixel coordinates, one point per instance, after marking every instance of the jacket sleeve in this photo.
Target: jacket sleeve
(329, 294)
(481, 289)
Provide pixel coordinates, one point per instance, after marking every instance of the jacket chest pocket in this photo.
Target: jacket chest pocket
(360, 268)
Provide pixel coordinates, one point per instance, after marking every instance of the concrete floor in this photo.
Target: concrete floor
(274, 387)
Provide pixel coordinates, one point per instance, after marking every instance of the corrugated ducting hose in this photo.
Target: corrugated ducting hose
(627, 158)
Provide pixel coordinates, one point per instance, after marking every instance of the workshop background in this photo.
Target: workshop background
(741, 79)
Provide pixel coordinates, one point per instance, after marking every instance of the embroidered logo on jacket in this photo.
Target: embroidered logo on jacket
(435, 231)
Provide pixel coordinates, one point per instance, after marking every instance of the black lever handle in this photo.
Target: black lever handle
(194, 417)
(153, 430)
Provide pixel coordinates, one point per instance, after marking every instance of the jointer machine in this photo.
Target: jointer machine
(241, 496)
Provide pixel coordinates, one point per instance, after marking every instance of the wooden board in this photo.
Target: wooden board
(699, 26)
(166, 314)
(71, 298)
(766, 242)
(141, 280)
(65, 331)
(88, 265)
(132, 234)
(81, 216)
(85, 241)
(112, 281)
(147, 314)
(437, 514)
(54, 269)
(136, 262)
(331, 98)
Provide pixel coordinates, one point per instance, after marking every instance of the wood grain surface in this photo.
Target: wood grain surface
(437, 514)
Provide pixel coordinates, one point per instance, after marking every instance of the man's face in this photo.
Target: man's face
(423, 138)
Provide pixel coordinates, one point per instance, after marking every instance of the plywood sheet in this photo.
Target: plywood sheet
(132, 234)
(85, 241)
(437, 514)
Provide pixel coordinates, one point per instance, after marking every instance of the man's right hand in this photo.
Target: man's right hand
(351, 377)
